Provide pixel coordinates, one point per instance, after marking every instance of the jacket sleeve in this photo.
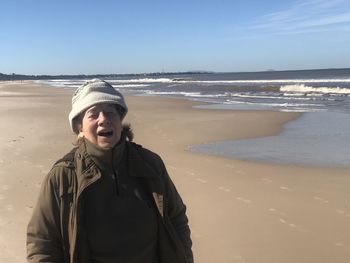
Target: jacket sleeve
(44, 243)
(176, 211)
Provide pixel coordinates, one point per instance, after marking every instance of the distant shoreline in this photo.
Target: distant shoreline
(14, 76)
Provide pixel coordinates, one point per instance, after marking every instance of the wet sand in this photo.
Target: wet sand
(239, 211)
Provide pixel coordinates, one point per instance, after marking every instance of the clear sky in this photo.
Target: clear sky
(135, 36)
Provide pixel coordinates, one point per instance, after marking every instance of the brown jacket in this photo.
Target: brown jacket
(53, 231)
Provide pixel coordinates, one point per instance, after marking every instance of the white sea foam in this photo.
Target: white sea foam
(130, 85)
(186, 94)
(314, 94)
(307, 89)
(285, 104)
(170, 80)
(248, 96)
(285, 96)
(303, 110)
(293, 94)
(296, 85)
(266, 81)
(62, 83)
(208, 95)
(143, 80)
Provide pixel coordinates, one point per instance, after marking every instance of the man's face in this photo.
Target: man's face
(101, 125)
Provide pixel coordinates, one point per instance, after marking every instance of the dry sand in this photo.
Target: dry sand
(239, 211)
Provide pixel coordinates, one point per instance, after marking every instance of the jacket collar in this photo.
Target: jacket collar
(87, 172)
(86, 169)
(137, 166)
(106, 159)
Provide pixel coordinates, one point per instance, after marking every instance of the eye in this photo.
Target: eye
(111, 113)
(111, 110)
(92, 115)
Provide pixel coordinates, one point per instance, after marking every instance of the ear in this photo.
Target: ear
(80, 131)
(77, 125)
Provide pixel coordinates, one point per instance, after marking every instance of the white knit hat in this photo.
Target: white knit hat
(93, 92)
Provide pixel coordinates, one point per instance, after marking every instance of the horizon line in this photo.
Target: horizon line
(173, 72)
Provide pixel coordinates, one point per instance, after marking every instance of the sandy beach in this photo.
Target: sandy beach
(239, 211)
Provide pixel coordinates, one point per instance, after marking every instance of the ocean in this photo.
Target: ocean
(321, 137)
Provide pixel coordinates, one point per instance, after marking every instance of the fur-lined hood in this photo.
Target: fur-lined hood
(127, 131)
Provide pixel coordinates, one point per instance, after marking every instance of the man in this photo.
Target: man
(109, 199)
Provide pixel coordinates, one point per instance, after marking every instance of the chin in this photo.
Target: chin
(110, 144)
(106, 145)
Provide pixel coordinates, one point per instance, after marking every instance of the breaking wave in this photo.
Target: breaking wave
(301, 88)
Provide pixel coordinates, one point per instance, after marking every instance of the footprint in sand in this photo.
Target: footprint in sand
(5, 187)
(344, 246)
(283, 221)
(190, 173)
(340, 212)
(241, 199)
(274, 210)
(320, 199)
(2, 197)
(339, 244)
(238, 259)
(222, 188)
(230, 166)
(9, 207)
(299, 228)
(285, 188)
(292, 225)
(201, 180)
(267, 180)
(28, 208)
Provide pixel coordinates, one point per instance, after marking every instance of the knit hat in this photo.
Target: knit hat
(93, 92)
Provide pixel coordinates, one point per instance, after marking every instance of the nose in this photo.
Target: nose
(103, 119)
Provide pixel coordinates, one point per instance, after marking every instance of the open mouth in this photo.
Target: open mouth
(105, 134)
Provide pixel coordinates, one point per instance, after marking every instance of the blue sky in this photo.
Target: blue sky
(106, 36)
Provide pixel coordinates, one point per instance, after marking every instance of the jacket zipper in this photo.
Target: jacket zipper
(116, 179)
(115, 176)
